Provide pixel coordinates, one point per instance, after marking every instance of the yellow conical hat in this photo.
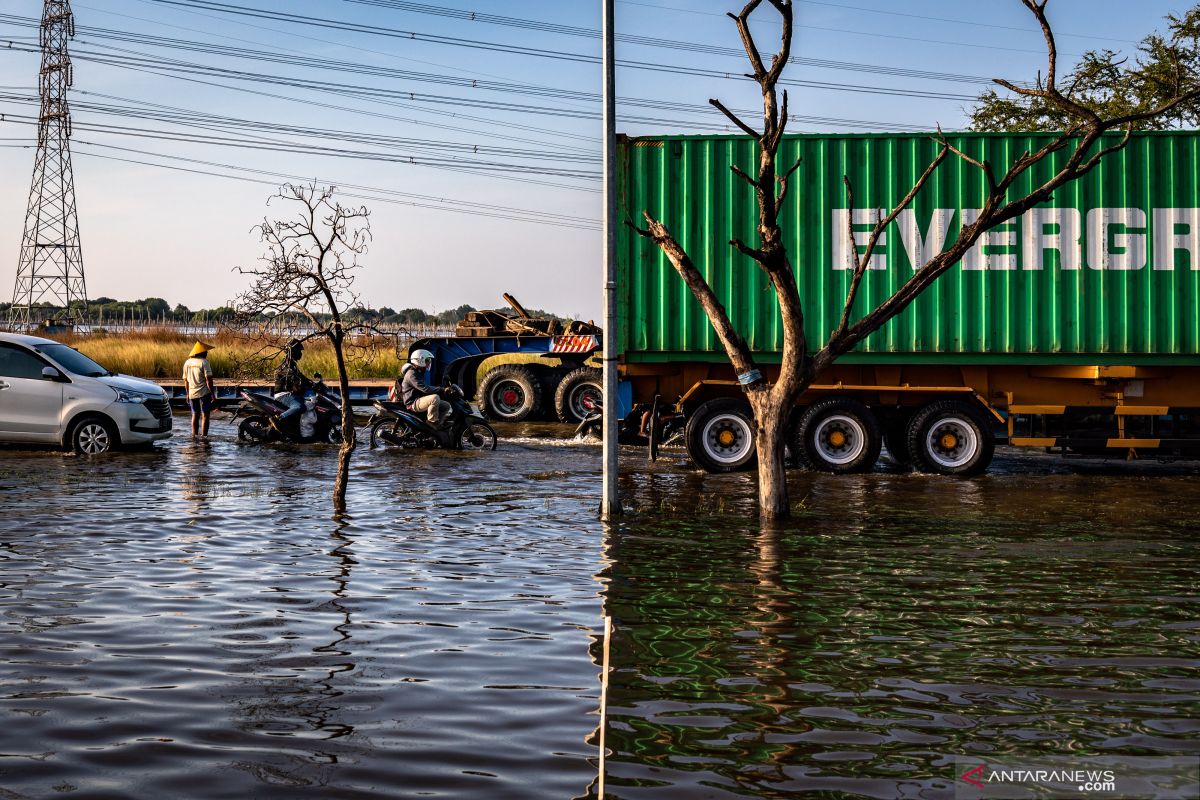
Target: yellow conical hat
(200, 347)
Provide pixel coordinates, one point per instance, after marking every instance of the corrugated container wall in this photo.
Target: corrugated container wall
(1107, 271)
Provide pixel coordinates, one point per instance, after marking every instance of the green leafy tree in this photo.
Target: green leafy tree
(1165, 66)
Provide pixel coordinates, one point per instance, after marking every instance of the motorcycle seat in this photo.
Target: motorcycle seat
(391, 405)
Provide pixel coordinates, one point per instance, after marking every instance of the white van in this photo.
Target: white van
(53, 394)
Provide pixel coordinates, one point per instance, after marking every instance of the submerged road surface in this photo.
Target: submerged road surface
(192, 622)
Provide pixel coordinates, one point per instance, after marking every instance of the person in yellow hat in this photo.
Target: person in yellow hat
(198, 375)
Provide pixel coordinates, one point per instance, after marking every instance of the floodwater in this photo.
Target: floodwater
(193, 622)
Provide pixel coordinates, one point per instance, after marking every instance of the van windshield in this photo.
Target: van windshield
(74, 361)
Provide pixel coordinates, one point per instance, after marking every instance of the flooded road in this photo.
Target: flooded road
(192, 622)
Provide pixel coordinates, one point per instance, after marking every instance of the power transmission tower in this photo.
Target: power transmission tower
(51, 263)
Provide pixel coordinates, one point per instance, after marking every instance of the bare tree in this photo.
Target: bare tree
(772, 403)
(307, 275)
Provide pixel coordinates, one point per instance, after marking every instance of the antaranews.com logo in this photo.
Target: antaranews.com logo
(1125, 777)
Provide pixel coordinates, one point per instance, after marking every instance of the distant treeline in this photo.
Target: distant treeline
(156, 309)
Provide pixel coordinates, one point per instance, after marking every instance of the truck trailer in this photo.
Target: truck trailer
(1074, 329)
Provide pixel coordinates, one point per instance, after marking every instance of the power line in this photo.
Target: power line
(560, 55)
(655, 41)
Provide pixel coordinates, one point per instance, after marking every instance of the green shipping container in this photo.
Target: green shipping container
(1107, 272)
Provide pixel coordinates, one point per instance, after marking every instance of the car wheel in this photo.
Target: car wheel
(92, 436)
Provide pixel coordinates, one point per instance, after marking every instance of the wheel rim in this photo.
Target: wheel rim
(508, 398)
(93, 439)
(582, 394)
(254, 430)
(477, 437)
(728, 438)
(951, 442)
(840, 439)
(394, 429)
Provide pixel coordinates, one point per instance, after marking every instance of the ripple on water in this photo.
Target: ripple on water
(191, 622)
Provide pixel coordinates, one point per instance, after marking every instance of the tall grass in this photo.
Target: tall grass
(159, 355)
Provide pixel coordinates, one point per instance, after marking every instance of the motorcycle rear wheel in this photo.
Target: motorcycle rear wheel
(399, 433)
(255, 429)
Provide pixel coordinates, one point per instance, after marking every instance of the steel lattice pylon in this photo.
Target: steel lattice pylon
(51, 263)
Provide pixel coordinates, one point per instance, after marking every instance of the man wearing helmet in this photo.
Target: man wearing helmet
(419, 396)
(290, 383)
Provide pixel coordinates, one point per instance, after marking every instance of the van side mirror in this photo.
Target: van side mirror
(51, 374)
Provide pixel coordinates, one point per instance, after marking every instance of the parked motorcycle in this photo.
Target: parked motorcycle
(320, 421)
(393, 425)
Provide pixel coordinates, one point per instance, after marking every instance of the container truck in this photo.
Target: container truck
(1075, 328)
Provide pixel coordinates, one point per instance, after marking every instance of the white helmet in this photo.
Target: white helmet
(420, 358)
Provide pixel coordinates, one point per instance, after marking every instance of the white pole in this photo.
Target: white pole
(611, 504)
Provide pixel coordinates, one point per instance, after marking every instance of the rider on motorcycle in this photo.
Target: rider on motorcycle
(419, 396)
(291, 385)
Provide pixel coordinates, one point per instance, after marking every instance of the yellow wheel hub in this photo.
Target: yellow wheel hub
(837, 439)
(949, 441)
(726, 438)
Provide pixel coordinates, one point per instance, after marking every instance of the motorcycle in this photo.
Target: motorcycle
(320, 421)
(393, 425)
(646, 425)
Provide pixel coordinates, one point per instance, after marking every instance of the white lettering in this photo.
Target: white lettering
(1128, 249)
(1000, 236)
(843, 258)
(1167, 242)
(922, 248)
(1036, 241)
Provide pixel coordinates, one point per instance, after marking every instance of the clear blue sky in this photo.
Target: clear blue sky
(456, 227)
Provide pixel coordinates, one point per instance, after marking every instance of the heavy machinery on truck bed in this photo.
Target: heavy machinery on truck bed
(1075, 328)
(518, 366)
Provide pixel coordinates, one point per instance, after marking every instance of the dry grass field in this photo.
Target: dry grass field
(159, 355)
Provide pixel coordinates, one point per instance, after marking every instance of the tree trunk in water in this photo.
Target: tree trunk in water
(771, 426)
(348, 437)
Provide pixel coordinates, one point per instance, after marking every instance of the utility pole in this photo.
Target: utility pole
(51, 262)
(610, 505)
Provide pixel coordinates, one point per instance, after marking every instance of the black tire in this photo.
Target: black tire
(950, 437)
(510, 393)
(334, 434)
(255, 428)
(838, 435)
(93, 436)
(401, 434)
(895, 439)
(477, 435)
(573, 389)
(720, 436)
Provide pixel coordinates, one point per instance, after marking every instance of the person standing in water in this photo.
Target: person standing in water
(198, 375)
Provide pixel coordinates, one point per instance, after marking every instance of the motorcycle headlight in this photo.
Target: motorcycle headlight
(127, 396)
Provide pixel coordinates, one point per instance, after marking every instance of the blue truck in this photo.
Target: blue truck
(519, 367)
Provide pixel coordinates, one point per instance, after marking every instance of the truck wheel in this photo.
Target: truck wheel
(578, 393)
(838, 435)
(510, 394)
(895, 439)
(720, 436)
(92, 436)
(950, 437)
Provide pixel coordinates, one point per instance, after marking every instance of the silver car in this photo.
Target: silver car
(53, 394)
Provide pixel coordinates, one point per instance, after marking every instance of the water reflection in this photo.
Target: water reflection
(896, 623)
(194, 618)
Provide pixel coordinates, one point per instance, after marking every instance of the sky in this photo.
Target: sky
(470, 129)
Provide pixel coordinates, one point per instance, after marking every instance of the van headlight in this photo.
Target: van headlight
(126, 396)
